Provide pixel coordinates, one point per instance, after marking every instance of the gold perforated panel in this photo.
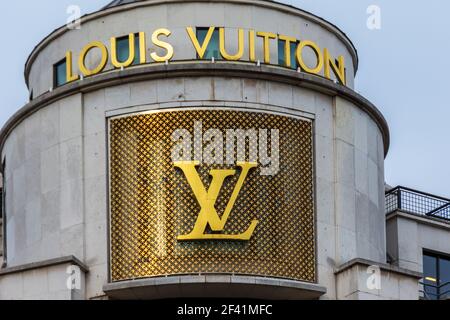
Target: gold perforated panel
(152, 203)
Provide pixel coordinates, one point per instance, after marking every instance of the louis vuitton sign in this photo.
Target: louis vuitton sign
(212, 191)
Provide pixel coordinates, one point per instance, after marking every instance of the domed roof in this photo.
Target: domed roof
(116, 3)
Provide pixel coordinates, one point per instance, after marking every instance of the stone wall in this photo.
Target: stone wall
(59, 156)
(363, 280)
(408, 236)
(147, 16)
(1, 242)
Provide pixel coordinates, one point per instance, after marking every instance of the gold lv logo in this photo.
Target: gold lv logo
(207, 199)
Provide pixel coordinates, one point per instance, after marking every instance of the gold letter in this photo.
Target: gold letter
(251, 45)
(132, 52)
(163, 45)
(200, 49)
(207, 199)
(338, 71)
(142, 48)
(69, 70)
(104, 58)
(287, 48)
(267, 36)
(316, 50)
(223, 51)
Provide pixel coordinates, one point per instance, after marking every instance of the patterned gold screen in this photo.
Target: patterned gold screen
(152, 203)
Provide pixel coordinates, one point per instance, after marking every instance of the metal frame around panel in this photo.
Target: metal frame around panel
(124, 114)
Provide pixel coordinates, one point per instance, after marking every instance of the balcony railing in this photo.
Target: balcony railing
(417, 202)
(434, 292)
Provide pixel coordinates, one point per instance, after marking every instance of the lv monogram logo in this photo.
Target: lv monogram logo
(207, 199)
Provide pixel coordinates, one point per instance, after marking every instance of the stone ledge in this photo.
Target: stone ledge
(45, 264)
(384, 267)
(427, 220)
(274, 5)
(224, 286)
(195, 68)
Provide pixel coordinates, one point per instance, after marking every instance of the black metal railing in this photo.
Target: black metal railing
(434, 292)
(417, 202)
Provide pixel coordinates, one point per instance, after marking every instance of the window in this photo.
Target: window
(59, 73)
(213, 47)
(3, 214)
(123, 49)
(436, 276)
(281, 56)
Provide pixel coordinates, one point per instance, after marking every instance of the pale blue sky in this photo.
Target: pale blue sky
(404, 70)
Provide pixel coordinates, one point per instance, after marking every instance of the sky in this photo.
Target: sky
(404, 70)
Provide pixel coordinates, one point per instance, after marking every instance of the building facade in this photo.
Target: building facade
(203, 149)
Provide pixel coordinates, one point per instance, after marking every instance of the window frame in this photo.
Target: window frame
(55, 73)
(3, 215)
(137, 48)
(438, 256)
(215, 33)
(281, 62)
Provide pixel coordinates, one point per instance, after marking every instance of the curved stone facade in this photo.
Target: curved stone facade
(57, 149)
(148, 16)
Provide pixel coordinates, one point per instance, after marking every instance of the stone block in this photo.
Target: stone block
(361, 120)
(33, 136)
(117, 97)
(304, 100)
(33, 221)
(144, 93)
(324, 124)
(94, 112)
(346, 207)
(325, 205)
(324, 150)
(72, 241)
(71, 204)
(170, 90)
(71, 117)
(197, 89)
(71, 160)
(50, 126)
(280, 95)
(228, 89)
(95, 280)
(50, 169)
(96, 242)
(361, 172)
(345, 163)
(35, 284)
(12, 287)
(96, 197)
(95, 155)
(345, 121)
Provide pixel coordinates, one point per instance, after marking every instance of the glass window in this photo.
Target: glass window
(3, 215)
(60, 73)
(436, 276)
(430, 277)
(123, 49)
(281, 59)
(213, 47)
(444, 278)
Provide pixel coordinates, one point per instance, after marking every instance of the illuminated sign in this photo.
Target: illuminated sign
(324, 65)
(211, 191)
(207, 199)
(213, 154)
